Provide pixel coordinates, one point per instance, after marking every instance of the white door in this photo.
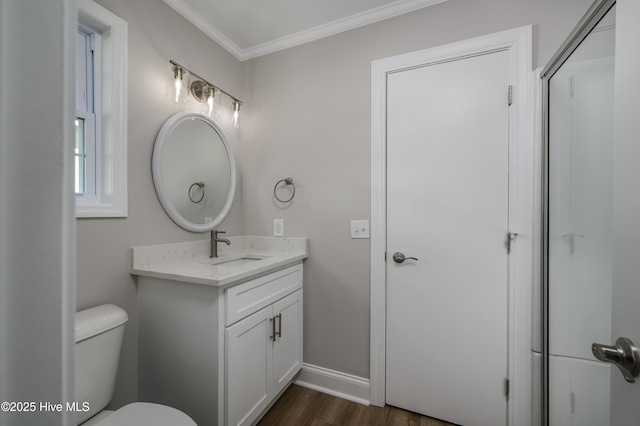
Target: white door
(448, 206)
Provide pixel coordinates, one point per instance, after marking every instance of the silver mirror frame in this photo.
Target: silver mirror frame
(158, 176)
(584, 27)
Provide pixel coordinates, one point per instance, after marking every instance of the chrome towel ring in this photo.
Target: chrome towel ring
(196, 199)
(288, 181)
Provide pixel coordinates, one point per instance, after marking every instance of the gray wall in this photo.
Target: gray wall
(311, 121)
(156, 34)
(306, 115)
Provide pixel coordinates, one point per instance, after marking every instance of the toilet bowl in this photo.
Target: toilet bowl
(99, 332)
(141, 414)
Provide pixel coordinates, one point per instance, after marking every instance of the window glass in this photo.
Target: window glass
(80, 156)
(101, 113)
(87, 155)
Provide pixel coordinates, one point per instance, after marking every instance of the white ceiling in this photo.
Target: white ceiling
(251, 28)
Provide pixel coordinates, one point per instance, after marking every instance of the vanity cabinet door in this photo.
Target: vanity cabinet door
(263, 349)
(249, 367)
(287, 349)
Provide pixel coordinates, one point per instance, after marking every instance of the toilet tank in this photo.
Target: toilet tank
(99, 332)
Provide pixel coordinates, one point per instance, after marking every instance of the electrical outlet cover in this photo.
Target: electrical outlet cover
(278, 227)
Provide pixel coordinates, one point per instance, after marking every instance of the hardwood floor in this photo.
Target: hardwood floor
(300, 406)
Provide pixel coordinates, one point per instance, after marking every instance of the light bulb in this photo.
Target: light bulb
(178, 86)
(236, 114)
(210, 102)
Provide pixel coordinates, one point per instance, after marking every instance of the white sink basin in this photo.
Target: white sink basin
(238, 260)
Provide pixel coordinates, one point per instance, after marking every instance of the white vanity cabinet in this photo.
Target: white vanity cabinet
(263, 341)
(220, 354)
(264, 352)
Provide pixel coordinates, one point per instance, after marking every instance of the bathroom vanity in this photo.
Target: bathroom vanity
(219, 339)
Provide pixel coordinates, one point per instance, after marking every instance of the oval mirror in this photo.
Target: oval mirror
(194, 171)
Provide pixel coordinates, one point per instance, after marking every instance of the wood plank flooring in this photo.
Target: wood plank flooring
(299, 406)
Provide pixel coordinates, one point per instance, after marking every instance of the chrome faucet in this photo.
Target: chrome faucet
(213, 252)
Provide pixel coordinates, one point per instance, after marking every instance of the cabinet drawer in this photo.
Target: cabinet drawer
(244, 299)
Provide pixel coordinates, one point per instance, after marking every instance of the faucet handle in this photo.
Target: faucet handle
(216, 232)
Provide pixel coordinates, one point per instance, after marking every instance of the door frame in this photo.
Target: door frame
(521, 206)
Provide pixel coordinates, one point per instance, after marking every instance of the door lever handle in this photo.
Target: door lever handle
(399, 257)
(624, 354)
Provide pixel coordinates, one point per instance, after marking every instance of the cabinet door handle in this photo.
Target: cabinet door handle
(279, 332)
(273, 328)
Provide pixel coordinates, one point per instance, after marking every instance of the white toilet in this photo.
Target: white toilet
(99, 333)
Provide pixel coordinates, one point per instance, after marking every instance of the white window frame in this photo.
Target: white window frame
(111, 117)
(88, 107)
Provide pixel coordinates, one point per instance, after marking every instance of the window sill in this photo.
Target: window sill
(100, 210)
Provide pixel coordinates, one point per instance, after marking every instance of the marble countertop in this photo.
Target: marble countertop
(190, 262)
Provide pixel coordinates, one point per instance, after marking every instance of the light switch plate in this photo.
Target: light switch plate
(359, 229)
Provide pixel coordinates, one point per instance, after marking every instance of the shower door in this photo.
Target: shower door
(591, 290)
(580, 241)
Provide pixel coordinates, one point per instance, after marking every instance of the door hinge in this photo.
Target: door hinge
(510, 95)
(385, 256)
(510, 236)
(507, 384)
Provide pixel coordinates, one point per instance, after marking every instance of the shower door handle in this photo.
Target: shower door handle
(624, 354)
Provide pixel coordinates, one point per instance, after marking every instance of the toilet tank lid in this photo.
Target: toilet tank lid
(96, 320)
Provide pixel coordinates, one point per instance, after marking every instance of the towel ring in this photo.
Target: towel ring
(287, 181)
(201, 186)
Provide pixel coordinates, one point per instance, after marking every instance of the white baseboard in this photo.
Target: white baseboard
(342, 385)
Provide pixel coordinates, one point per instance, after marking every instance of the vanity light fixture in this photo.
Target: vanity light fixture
(203, 92)
(178, 85)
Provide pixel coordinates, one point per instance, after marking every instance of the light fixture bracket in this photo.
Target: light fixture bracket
(199, 90)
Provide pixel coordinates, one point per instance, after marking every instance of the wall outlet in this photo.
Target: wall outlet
(359, 229)
(278, 227)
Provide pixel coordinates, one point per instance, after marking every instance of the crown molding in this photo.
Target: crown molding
(184, 9)
(348, 23)
(381, 13)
